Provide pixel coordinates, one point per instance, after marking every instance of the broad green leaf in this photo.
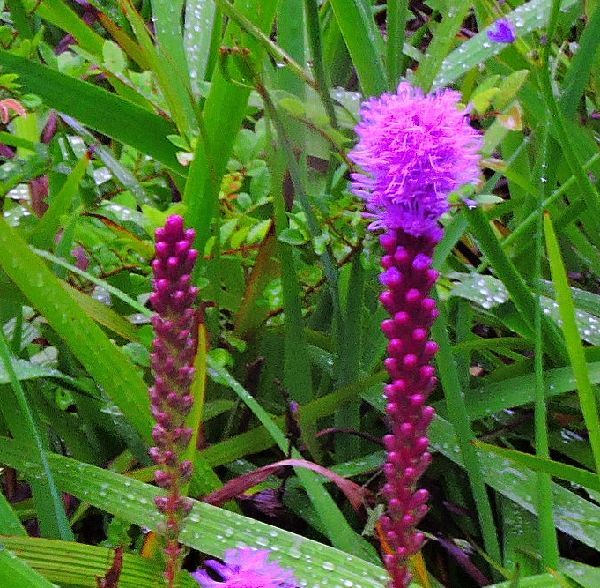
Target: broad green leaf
(209, 529)
(102, 111)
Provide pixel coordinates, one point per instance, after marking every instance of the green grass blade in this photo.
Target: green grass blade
(51, 512)
(14, 572)
(443, 39)
(547, 533)
(223, 114)
(460, 421)
(578, 73)
(167, 25)
(363, 41)
(297, 370)
(109, 367)
(315, 41)
(397, 14)
(531, 16)
(516, 286)
(348, 363)
(200, 17)
(61, 15)
(548, 466)
(102, 111)
(587, 398)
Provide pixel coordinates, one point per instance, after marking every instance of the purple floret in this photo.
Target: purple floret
(502, 31)
(246, 568)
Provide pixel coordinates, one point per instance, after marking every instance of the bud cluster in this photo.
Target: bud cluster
(173, 352)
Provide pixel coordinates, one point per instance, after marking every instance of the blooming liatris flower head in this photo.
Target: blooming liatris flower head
(246, 568)
(173, 352)
(502, 31)
(414, 149)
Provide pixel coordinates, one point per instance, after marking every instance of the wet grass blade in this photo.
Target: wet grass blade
(51, 512)
(587, 396)
(364, 41)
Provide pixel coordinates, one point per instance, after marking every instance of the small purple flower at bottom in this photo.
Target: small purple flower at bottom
(246, 568)
(502, 31)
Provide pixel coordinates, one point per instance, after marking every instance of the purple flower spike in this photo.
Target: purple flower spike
(173, 352)
(413, 150)
(246, 568)
(502, 31)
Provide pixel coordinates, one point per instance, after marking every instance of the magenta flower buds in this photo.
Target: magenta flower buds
(173, 352)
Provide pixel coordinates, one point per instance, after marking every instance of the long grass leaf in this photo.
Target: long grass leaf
(587, 397)
(52, 519)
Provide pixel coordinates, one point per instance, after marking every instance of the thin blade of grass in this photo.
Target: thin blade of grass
(104, 361)
(397, 13)
(459, 418)
(51, 512)
(363, 40)
(587, 397)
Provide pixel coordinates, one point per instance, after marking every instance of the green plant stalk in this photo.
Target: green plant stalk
(348, 416)
(586, 187)
(316, 50)
(575, 350)
(272, 48)
(545, 503)
(61, 524)
(459, 417)
(397, 13)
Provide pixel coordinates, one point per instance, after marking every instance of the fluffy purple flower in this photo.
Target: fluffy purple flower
(502, 31)
(173, 352)
(414, 149)
(246, 568)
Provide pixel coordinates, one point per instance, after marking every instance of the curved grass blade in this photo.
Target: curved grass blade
(528, 17)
